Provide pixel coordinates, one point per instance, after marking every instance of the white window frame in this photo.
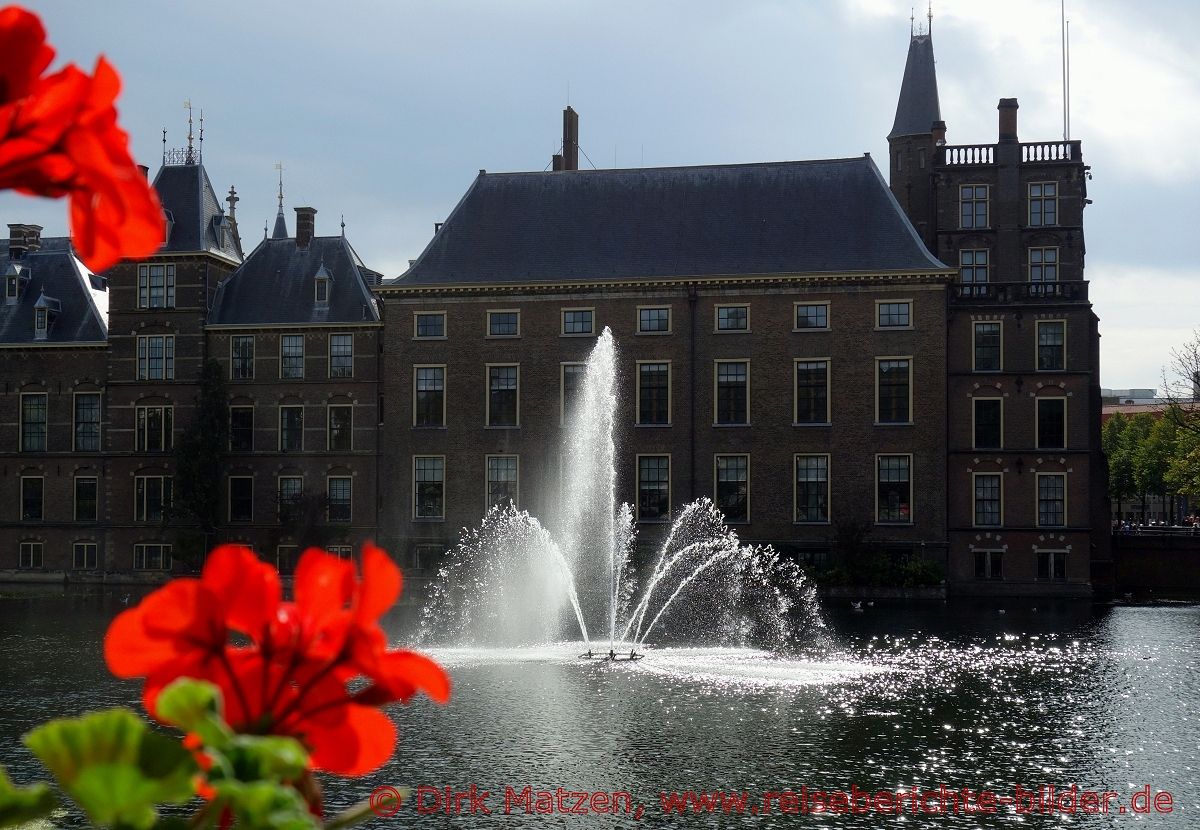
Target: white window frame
(416, 372)
(233, 356)
(652, 333)
(716, 391)
(488, 324)
(796, 306)
(75, 497)
(279, 427)
(562, 387)
(415, 502)
(166, 492)
(637, 477)
(1037, 345)
(94, 557)
(974, 421)
(143, 356)
(1037, 496)
(487, 401)
(716, 482)
(34, 553)
(303, 356)
(143, 287)
(329, 407)
(975, 324)
(562, 322)
(637, 412)
(417, 315)
(910, 360)
(329, 499)
(796, 422)
(45, 396)
(329, 354)
(21, 498)
(998, 474)
(1029, 199)
(796, 489)
(487, 479)
(166, 425)
(912, 490)
(879, 304)
(717, 318)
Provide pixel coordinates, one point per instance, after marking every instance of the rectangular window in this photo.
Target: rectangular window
(241, 429)
(1043, 268)
(893, 314)
(290, 491)
(31, 555)
(430, 325)
(988, 501)
(156, 286)
(812, 392)
(654, 320)
(429, 396)
(733, 318)
(87, 422)
(989, 564)
(340, 428)
(342, 551)
(86, 491)
(33, 492)
(987, 347)
(151, 494)
(241, 499)
(1043, 204)
(893, 390)
(501, 480)
(812, 316)
(973, 271)
(155, 428)
(429, 486)
(733, 487)
(894, 489)
(732, 382)
(503, 396)
(1052, 565)
(654, 393)
(1052, 423)
(989, 423)
(291, 356)
(285, 558)
(241, 357)
(573, 375)
(504, 323)
(339, 491)
(973, 206)
(1052, 499)
(577, 321)
(812, 488)
(1052, 343)
(156, 357)
(85, 556)
(291, 429)
(152, 557)
(33, 422)
(341, 355)
(321, 289)
(654, 488)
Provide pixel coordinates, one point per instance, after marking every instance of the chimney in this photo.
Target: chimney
(556, 161)
(939, 133)
(145, 171)
(23, 239)
(306, 225)
(1008, 120)
(570, 139)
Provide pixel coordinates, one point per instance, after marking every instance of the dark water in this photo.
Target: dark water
(1107, 699)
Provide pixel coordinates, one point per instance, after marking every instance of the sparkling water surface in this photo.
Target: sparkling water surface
(907, 694)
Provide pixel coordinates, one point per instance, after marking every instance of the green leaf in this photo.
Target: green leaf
(267, 757)
(264, 804)
(22, 804)
(195, 706)
(114, 767)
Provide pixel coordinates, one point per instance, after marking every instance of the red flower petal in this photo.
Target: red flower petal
(349, 739)
(248, 587)
(324, 583)
(26, 53)
(381, 584)
(400, 674)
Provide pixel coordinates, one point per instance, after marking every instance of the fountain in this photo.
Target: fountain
(513, 580)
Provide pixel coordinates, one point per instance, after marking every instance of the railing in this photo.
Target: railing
(968, 154)
(1035, 152)
(1018, 292)
(1053, 151)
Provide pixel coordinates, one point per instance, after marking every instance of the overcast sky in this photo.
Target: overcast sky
(384, 112)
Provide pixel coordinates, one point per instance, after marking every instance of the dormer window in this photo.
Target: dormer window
(15, 278)
(45, 310)
(10, 289)
(40, 321)
(322, 291)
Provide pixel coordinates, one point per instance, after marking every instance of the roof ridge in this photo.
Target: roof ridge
(729, 165)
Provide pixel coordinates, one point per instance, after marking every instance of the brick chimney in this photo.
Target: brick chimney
(23, 239)
(570, 139)
(306, 225)
(1008, 120)
(938, 131)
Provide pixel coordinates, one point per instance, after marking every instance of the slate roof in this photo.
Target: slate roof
(192, 206)
(275, 285)
(786, 217)
(280, 229)
(918, 106)
(55, 273)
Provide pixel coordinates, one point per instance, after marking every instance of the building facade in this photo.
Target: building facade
(825, 353)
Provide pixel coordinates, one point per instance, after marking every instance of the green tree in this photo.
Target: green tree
(1183, 470)
(1120, 467)
(198, 465)
(1135, 435)
(1152, 458)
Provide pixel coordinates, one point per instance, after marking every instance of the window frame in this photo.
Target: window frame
(911, 490)
(241, 407)
(25, 518)
(321, 284)
(229, 499)
(999, 476)
(488, 335)
(342, 370)
(796, 361)
(45, 422)
(143, 356)
(487, 410)
(416, 514)
(562, 387)
(717, 308)
(141, 428)
(75, 423)
(488, 504)
(1056, 265)
(975, 324)
(797, 305)
(654, 332)
(165, 556)
(141, 496)
(562, 322)
(993, 561)
(283, 339)
(878, 378)
(292, 498)
(974, 201)
(417, 367)
(974, 287)
(329, 447)
(1041, 199)
(143, 285)
(879, 304)
(233, 356)
(36, 555)
(975, 421)
(1037, 333)
(1037, 422)
(95, 556)
(279, 425)
(716, 392)
(329, 505)
(665, 518)
(75, 482)
(1051, 554)
(717, 481)
(417, 315)
(796, 489)
(1038, 499)
(637, 411)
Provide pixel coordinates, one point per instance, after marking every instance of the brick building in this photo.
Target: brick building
(810, 345)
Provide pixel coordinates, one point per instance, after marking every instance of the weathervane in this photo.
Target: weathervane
(279, 167)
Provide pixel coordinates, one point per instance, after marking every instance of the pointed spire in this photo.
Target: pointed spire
(201, 148)
(918, 106)
(280, 231)
(189, 158)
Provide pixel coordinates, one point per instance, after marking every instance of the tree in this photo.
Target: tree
(198, 463)
(1120, 467)
(1181, 385)
(1135, 434)
(1152, 458)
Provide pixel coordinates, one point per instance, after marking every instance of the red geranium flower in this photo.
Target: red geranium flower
(59, 137)
(290, 679)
